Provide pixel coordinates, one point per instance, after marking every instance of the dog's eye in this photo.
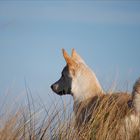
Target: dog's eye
(62, 75)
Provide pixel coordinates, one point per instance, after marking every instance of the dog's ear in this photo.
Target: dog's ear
(70, 62)
(76, 56)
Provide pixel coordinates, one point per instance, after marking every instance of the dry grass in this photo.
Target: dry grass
(30, 123)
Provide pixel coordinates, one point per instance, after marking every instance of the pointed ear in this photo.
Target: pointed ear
(76, 56)
(70, 62)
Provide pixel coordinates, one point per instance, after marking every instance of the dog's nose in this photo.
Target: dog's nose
(52, 87)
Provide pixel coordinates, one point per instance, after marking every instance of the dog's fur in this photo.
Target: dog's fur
(80, 81)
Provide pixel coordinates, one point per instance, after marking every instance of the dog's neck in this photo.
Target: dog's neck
(86, 86)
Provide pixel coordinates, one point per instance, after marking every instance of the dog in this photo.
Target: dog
(78, 80)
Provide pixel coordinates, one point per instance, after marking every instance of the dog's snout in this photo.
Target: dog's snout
(52, 87)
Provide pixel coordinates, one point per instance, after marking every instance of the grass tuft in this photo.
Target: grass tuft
(40, 123)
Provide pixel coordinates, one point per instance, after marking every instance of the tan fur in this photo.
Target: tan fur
(88, 108)
(80, 81)
(136, 96)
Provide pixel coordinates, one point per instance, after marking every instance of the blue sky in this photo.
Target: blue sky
(106, 34)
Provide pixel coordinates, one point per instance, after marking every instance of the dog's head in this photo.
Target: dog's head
(64, 84)
(76, 79)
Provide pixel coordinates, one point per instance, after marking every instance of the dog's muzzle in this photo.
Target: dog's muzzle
(63, 92)
(54, 88)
